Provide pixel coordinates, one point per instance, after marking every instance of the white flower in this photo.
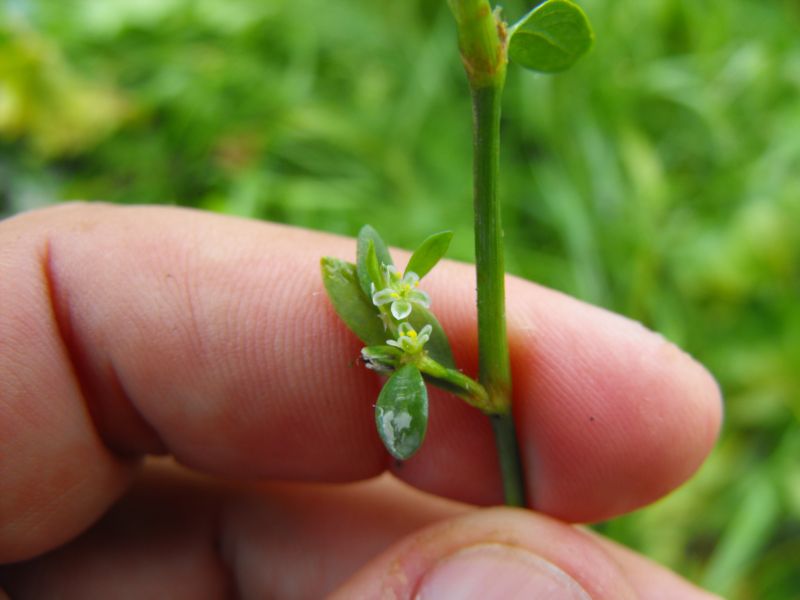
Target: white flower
(402, 293)
(408, 340)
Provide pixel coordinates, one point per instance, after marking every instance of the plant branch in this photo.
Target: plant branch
(483, 50)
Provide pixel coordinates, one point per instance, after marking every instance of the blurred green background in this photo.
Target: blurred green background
(660, 178)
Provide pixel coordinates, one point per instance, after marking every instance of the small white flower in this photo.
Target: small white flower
(408, 340)
(402, 293)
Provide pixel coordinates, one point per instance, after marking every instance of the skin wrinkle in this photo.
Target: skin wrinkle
(102, 395)
(183, 292)
(74, 457)
(62, 326)
(145, 440)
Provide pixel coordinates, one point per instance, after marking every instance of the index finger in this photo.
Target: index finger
(141, 330)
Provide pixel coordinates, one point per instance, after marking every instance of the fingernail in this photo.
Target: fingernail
(492, 571)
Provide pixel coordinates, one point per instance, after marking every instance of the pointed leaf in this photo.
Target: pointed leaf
(401, 413)
(429, 253)
(374, 271)
(366, 235)
(438, 346)
(551, 38)
(358, 312)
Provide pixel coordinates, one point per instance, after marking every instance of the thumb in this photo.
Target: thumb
(509, 554)
(498, 571)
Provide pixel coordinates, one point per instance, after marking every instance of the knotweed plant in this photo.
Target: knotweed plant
(388, 309)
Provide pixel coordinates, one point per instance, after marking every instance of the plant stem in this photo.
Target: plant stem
(482, 44)
(505, 437)
(495, 370)
(466, 388)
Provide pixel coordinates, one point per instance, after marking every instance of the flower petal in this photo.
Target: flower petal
(383, 297)
(410, 278)
(401, 309)
(419, 297)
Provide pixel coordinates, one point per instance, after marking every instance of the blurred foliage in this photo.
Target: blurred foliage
(660, 178)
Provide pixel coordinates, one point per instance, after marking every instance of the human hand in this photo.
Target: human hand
(134, 331)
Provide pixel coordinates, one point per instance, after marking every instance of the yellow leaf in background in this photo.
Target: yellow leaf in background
(44, 101)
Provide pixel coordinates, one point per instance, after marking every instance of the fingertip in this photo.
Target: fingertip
(491, 553)
(611, 416)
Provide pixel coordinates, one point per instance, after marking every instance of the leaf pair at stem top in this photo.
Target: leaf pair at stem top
(550, 38)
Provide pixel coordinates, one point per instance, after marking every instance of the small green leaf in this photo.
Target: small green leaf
(551, 38)
(438, 346)
(356, 310)
(401, 413)
(374, 271)
(429, 253)
(366, 235)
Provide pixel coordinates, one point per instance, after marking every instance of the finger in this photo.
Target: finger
(182, 537)
(191, 537)
(609, 410)
(508, 553)
(211, 338)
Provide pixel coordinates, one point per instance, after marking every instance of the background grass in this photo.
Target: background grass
(660, 178)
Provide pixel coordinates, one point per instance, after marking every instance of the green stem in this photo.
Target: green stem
(495, 370)
(495, 373)
(482, 43)
(505, 437)
(466, 388)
